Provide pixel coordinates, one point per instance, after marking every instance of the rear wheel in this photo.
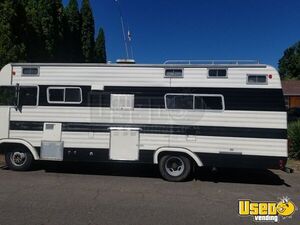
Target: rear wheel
(18, 160)
(175, 167)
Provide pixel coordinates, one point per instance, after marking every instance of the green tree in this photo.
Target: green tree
(48, 29)
(289, 64)
(44, 30)
(34, 41)
(12, 47)
(73, 32)
(100, 49)
(59, 31)
(87, 32)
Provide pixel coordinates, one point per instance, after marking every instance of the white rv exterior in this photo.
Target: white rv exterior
(174, 115)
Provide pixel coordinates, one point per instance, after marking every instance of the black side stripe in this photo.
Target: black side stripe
(161, 129)
(247, 99)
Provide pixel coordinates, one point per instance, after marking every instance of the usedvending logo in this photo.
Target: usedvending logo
(263, 211)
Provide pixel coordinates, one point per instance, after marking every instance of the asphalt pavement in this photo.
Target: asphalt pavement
(54, 193)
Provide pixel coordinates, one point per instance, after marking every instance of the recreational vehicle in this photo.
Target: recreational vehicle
(178, 115)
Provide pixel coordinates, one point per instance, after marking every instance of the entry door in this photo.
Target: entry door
(4, 121)
(124, 144)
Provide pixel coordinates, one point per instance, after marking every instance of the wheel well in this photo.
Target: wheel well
(6, 147)
(160, 155)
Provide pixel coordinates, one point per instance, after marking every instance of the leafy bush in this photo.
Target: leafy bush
(294, 139)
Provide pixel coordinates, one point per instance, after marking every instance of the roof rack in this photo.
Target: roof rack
(213, 62)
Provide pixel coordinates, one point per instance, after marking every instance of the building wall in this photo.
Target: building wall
(294, 102)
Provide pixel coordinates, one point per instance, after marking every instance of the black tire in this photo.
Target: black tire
(170, 162)
(18, 160)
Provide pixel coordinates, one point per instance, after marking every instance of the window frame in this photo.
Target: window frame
(63, 102)
(217, 77)
(168, 76)
(262, 75)
(194, 96)
(30, 75)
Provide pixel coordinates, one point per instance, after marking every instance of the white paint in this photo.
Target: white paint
(227, 118)
(6, 75)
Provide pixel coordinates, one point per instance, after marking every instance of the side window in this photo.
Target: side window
(99, 99)
(56, 95)
(7, 95)
(30, 71)
(28, 96)
(217, 73)
(179, 101)
(64, 95)
(195, 102)
(73, 95)
(174, 73)
(257, 79)
(209, 102)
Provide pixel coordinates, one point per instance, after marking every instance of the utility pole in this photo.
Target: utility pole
(123, 29)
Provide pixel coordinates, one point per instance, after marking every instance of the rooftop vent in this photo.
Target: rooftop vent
(125, 61)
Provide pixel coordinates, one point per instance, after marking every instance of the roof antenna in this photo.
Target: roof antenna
(127, 38)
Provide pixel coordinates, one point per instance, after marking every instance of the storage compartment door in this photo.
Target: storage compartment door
(124, 144)
(52, 132)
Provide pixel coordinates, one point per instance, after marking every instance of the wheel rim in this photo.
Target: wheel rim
(18, 158)
(174, 166)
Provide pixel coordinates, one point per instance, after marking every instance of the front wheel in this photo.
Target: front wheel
(18, 160)
(175, 167)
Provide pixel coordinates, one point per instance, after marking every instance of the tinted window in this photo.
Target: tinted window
(208, 102)
(173, 73)
(217, 73)
(64, 95)
(28, 96)
(7, 95)
(30, 71)
(73, 95)
(257, 79)
(99, 98)
(56, 95)
(179, 101)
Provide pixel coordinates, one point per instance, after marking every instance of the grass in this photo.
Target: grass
(294, 164)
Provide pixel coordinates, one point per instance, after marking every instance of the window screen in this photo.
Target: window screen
(122, 101)
(30, 71)
(208, 102)
(217, 73)
(257, 79)
(179, 101)
(64, 95)
(7, 95)
(173, 73)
